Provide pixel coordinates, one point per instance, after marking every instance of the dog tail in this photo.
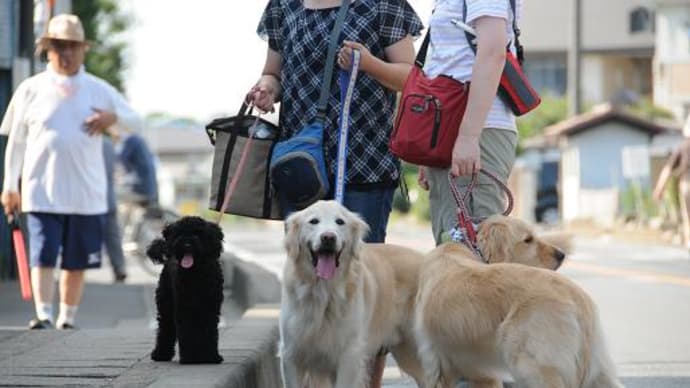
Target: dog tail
(156, 251)
(601, 371)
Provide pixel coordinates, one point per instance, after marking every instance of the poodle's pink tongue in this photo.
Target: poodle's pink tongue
(325, 266)
(187, 261)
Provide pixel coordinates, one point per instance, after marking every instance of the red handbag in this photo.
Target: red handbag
(429, 116)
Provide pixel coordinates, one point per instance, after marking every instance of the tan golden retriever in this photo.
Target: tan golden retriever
(490, 322)
(343, 300)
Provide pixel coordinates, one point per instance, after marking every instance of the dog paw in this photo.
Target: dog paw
(158, 355)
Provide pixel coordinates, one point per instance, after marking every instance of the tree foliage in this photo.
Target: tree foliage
(550, 111)
(103, 23)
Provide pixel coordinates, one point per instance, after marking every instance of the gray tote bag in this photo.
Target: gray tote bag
(253, 195)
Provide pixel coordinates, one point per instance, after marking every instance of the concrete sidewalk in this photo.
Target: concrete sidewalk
(120, 358)
(116, 335)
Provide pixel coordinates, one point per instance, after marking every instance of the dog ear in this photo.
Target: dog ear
(216, 231)
(292, 243)
(157, 250)
(495, 241)
(359, 229)
(170, 230)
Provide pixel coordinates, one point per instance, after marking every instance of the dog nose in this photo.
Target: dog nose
(559, 255)
(328, 240)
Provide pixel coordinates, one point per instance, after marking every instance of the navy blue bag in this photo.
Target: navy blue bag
(298, 165)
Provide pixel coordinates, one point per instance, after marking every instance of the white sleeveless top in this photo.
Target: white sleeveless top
(450, 54)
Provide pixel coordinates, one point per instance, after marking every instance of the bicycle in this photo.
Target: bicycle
(140, 226)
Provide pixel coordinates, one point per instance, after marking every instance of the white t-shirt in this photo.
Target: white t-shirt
(450, 53)
(61, 167)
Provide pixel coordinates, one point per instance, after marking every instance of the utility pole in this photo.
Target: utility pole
(574, 60)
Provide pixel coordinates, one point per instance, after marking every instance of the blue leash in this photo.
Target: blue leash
(347, 88)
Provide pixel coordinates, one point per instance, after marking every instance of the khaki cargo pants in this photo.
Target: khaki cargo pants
(497, 148)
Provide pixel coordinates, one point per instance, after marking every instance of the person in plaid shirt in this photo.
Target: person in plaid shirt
(298, 32)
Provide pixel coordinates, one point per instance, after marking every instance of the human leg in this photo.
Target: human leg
(112, 238)
(497, 157)
(43, 285)
(71, 290)
(44, 232)
(81, 250)
(375, 207)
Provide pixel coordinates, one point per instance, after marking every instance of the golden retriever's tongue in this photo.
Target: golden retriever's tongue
(187, 261)
(325, 266)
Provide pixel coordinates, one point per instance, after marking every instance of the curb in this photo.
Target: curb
(249, 283)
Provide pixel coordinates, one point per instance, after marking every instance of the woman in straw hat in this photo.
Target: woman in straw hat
(55, 123)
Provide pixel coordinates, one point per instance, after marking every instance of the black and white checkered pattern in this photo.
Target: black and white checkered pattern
(300, 35)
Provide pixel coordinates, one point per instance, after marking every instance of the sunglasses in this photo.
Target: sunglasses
(64, 45)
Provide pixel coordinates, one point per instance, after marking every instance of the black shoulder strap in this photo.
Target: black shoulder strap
(516, 31)
(322, 107)
(421, 54)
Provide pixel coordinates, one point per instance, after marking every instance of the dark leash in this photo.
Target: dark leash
(465, 227)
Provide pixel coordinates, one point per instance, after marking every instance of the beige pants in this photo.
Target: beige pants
(497, 148)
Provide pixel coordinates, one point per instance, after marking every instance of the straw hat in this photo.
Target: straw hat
(63, 27)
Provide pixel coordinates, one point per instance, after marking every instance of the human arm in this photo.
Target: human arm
(266, 91)
(391, 72)
(119, 112)
(486, 74)
(14, 127)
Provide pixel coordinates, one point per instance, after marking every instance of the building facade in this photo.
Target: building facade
(672, 59)
(617, 43)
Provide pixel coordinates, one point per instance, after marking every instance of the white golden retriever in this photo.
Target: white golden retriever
(342, 300)
(488, 322)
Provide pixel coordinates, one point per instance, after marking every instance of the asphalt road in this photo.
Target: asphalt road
(642, 290)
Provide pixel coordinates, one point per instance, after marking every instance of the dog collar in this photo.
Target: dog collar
(459, 235)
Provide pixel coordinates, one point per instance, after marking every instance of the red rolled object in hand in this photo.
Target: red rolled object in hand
(22, 261)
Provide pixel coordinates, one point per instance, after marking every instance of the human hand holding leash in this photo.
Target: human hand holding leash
(99, 121)
(466, 156)
(264, 94)
(345, 55)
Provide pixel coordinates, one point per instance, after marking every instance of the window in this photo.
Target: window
(547, 74)
(641, 20)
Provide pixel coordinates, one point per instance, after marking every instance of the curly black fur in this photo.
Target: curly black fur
(188, 298)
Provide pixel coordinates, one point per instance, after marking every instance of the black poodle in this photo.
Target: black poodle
(189, 292)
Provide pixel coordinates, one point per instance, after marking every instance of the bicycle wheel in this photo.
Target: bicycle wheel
(146, 230)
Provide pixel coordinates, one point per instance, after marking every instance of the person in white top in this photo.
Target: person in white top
(54, 124)
(488, 136)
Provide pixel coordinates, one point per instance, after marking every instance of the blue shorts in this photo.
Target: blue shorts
(77, 238)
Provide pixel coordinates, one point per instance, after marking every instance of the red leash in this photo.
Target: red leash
(465, 223)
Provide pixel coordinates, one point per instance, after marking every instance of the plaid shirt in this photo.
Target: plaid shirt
(300, 35)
